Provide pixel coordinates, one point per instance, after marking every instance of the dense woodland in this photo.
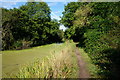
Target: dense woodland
(28, 26)
(96, 26)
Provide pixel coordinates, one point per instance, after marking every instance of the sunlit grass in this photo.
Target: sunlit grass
(62, 65)
(13, 59)
(58, 60)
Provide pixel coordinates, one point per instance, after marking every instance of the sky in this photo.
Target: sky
(56, 6)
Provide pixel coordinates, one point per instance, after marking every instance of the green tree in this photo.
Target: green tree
(101, 22)
(68, 19)
(96, 26)
(68, 14)
(7, 37)
(29, 25)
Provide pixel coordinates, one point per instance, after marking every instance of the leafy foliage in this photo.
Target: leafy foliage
(68, 14)
(31, 23)
(96, 26)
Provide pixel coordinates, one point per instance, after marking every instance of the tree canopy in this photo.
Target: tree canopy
(29, 25)
(96, 27)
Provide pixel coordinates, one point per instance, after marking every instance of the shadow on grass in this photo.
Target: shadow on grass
(109, 63)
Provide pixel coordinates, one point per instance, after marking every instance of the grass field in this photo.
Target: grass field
(14, 59)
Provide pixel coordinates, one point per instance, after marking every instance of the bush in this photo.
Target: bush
(104, 48)
(22, 44)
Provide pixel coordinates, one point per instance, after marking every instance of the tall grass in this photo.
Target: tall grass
(59, 65)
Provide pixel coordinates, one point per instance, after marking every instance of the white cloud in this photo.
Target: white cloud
(59, 0)
(53, 0)
(52, 4)
(57, 12)
(13, 0)
(39, 0)
(62, 27)
(54, 16)
(8, 5)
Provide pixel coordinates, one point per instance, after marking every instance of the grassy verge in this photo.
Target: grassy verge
(13, 59)
(63, 64)
(93, 69)
(58, 61)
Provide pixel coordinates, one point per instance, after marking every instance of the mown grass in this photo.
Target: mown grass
(93, 69)
(57, 60)
(13, 59)
(60, 65)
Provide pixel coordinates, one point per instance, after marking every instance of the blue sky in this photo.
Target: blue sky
(56, 6)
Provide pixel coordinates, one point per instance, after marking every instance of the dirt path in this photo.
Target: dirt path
(83, 72)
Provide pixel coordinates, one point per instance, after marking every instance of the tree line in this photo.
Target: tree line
(29, 25)
(96, 26)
